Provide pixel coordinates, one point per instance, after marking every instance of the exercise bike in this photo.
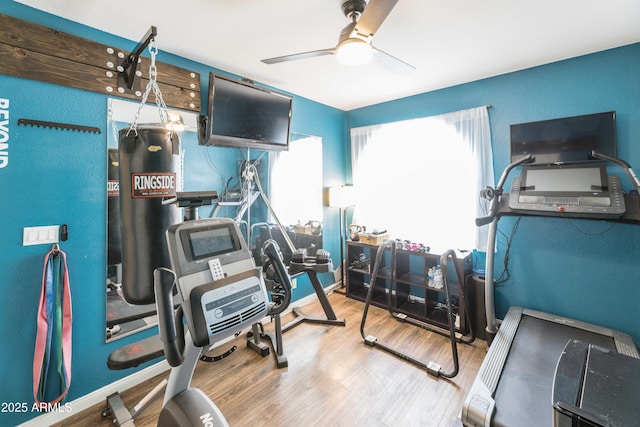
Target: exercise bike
(222, 292)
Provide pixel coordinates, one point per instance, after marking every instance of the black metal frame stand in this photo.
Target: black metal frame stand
(257, 334)
(431, 367)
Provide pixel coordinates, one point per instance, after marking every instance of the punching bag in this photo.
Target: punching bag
(114, 251)
(149, 171)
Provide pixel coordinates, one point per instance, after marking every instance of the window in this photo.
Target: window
(296, 181)
(420, 179)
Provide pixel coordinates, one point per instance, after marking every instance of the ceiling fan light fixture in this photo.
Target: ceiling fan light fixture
(354, 51)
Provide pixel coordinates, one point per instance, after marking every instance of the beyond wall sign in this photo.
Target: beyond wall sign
(4, 133)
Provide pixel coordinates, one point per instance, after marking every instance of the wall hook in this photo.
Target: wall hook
(130, 63)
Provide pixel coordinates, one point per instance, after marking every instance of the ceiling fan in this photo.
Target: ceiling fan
(354, 44)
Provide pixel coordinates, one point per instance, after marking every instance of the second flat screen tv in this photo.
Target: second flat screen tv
(566, 140)
(244, 115)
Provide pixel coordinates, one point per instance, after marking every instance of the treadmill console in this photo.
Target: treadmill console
(568, 190)
(220, 287)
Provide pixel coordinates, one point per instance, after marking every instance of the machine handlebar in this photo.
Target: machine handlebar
(166, 321)
(272, 251)
(624, 165)
(497, 191)
(485, 219)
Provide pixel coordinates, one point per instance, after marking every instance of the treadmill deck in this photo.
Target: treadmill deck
(514, 384)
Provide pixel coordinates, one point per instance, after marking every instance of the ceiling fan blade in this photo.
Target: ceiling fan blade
(297, 56)
(374, 15)
(391, 63)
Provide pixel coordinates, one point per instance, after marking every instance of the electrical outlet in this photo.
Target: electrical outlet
(40, 235)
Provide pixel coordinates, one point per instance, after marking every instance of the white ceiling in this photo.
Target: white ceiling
(448, 41)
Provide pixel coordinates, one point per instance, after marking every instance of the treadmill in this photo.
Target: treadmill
(515, 382)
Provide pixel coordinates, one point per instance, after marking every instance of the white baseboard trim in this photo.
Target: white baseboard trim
(100, 395)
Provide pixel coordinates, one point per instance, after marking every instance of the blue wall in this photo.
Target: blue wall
(58, 177)
(577, 268)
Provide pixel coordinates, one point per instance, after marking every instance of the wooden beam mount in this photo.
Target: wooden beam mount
(35, 52)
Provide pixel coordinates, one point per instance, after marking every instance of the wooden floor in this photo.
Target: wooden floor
(333, 378)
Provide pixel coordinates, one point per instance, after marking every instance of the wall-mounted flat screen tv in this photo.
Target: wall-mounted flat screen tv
(567, 140)
(242, 114)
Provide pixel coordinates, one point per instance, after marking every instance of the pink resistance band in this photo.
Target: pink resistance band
(53, 338)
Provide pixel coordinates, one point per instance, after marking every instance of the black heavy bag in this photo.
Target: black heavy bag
(149, 165)
(114, 250)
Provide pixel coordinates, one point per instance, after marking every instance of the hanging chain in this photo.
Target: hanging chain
(152, 85)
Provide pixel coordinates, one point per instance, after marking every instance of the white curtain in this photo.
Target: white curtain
(420, 179)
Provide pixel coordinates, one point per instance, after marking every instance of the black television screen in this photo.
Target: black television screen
(565, 141)
(242, 114)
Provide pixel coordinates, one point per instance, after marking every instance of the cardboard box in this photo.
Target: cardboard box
(373, 239)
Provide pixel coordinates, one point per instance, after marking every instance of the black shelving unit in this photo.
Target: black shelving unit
(402, 283)
(360, 258)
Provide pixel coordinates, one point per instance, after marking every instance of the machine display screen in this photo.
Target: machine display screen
(210, 242)
(578, 180)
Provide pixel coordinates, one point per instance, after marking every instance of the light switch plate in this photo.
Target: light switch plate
(40, 235)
